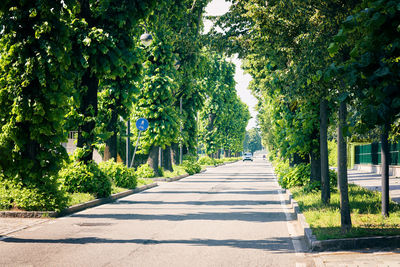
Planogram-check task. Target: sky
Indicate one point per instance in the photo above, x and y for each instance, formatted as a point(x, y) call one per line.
point(218, 8)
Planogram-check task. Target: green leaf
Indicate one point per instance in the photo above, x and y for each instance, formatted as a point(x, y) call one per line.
point(396, 103)
point(87, 41)
point(382, 71)
point(333, 48)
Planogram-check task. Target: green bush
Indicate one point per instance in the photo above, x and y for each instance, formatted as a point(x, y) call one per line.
point(191, 166)
point(281, 169)
point(48, 197)
point(121, 175)
point(79, 177)
point(298, 175)
point(205, 160)
point(144, 171)
point(231, 159)
point(292, 176)
point(218, 161)
point(333, 179)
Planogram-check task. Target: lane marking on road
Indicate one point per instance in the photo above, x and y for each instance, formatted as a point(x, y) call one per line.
point(298, 248)
point(291, 230)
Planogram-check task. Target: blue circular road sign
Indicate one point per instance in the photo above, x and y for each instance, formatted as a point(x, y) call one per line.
point(142, 124)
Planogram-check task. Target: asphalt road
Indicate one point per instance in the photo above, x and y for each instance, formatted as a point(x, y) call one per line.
point(228, 216)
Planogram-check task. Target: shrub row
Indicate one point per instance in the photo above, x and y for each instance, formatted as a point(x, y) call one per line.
point(299, 175)
point(205, 160)
point(76, 177)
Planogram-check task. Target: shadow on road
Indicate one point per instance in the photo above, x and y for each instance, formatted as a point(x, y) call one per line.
point(253, 192)
point(201, 216)
point(208, 203)
point(277, 245)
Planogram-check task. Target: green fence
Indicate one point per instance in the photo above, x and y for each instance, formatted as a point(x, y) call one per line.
point(371, 154)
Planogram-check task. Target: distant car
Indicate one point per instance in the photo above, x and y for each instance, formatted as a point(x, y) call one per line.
point(247, 156)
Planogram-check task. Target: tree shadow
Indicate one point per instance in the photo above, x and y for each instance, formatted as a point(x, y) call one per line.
point(246, 216)
point(244, 192)
point(277, 244)
point(201, 203)
point(229, 180)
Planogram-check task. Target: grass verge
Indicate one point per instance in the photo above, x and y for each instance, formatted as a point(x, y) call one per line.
point(366, 217)
point(143, 181)
point(178, 170)
point(78, 198)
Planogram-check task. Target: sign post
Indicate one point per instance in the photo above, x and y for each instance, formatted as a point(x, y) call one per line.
point(141, 124)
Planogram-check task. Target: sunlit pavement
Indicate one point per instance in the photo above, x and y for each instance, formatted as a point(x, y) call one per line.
point(232, 215)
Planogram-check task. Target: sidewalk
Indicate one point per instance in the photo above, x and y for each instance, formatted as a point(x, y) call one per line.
point(10, 225)
point(372, 181)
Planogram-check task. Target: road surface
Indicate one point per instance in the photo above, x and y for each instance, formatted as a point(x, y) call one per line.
point(232, 215)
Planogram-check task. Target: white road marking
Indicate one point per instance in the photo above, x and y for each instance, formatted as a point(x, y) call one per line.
point(291, 230)
point(298, 248)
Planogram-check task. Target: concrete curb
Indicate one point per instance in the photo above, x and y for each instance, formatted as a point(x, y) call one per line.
point(75, 208)
point(176, 178)
point(89, 204)
point(343, 243)
point(27, 214)
point(100, 201)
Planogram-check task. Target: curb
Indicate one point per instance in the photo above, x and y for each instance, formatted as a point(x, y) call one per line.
point(343, 243)
point(75, 208)
point(27, 214)
point(89, 204)
point(100, 201)
point(171, 179)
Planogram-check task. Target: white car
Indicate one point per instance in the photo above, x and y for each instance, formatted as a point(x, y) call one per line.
point(247, 156)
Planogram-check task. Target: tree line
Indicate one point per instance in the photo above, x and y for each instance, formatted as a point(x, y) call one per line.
point(80, 66)
point(321, 70)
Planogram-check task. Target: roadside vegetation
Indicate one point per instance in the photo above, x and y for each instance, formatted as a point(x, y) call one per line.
point(79, 183)
point(325, 73)
point(365, 212)
point(324, 219)
point(79, 71)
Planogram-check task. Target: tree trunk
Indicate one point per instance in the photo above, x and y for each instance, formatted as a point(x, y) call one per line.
point(342, 171)
point(226, 153)
point(128, 144)
point(166, 159)
point(175, 153)
point(106, 155)
point(88, 108)
point(323, 135)
point(385, 161)
point(315, 162)
point(111, 143)
point(153, 159)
